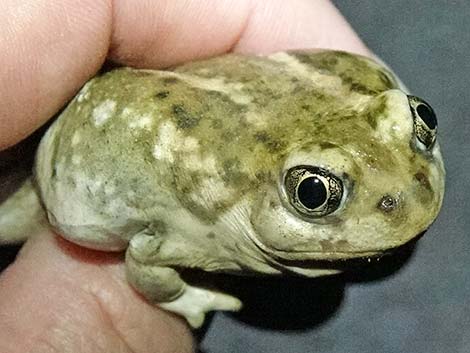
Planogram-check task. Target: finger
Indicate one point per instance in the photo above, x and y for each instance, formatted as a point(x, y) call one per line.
point(177, 31)
point(298, 24)
point(62, 298)
point(49, 48)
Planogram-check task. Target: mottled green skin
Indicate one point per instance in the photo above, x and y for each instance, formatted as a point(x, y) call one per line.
point(194, 159)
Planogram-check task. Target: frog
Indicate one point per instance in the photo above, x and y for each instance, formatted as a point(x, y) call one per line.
point(279, 164)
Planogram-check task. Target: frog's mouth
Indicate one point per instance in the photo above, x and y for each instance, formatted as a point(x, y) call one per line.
point(313, 264)
point(331, 263)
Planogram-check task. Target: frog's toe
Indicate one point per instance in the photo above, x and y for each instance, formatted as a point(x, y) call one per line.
point(195, 302)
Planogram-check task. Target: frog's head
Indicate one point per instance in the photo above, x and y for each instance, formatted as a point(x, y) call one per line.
point(370, 181)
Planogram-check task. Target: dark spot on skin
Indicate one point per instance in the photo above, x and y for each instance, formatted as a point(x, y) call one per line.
point(423, 180)
point(217, 95)
point(184, 119)
point(158, 227)
point(327, 145)
point(55, 151)
point(274, 95)
point(231, 172)
point(326, 245)
point(205, 215)
point(274, 146)
point(387, 204)
point(269, 142)
point(71, 181)
point(333, 246)
point(375, 111)
point(216, 124)
point(228, 136)
point(371, 119)
point(169, 80)
point(186, 184)
point(386, 81)
point(231, 166)
point(263, 176)
point(358, 87)
point(342, 245)
point(322, 62)
point(262, 136)
point(425, 193)
point(210, 235)
point(162, 94)
point(297, 90)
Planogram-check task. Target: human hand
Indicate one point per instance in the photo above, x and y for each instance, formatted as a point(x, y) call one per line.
point(58, 297)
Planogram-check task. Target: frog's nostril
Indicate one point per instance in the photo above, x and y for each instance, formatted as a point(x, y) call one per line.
point(387, 204)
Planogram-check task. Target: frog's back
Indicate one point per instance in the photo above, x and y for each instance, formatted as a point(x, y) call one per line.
point(135, 140)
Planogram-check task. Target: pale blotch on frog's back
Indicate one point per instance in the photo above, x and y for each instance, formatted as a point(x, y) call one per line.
point(137, 120)
point(103, 112)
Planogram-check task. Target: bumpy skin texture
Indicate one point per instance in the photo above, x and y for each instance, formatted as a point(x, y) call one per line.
point(185, 168)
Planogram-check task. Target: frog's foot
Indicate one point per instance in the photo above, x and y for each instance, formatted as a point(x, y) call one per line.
point(195, 302)
point(163, 285)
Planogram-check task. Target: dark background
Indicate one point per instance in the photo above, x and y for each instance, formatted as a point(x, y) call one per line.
point(424, 306)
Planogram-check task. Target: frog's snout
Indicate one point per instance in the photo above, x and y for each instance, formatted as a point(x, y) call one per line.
point(388, 203)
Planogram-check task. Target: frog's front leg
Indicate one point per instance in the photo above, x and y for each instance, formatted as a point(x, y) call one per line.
point(148, 262)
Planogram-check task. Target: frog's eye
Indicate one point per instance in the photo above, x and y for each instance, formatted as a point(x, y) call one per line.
point(424, 121)
point(313, 191)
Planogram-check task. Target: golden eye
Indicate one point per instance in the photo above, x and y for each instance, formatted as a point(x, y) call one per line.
point(313, 191)
point(424, 121)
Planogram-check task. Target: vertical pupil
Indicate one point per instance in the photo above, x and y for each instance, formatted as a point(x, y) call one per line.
point(312, 192)
point(427, 115)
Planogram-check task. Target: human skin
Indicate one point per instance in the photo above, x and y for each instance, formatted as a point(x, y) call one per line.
point(58, 297)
